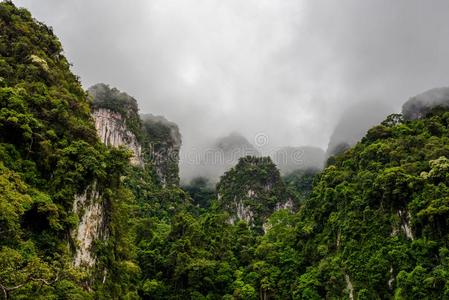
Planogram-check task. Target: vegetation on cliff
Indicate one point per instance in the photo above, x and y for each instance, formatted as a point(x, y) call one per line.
point(373, 224)
point(252, 190)
point(105, 97)
point(49, 153)
point(162, 146)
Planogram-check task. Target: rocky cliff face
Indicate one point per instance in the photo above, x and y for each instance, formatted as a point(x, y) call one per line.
point(252, 191)
point(53, 170)
point(117, 119)
point(91, 227)
point(114, 116)
point(154, 143)
point(112, 130)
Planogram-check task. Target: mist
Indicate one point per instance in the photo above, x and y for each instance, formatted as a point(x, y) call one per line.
point(355, 122)
point(286, 70)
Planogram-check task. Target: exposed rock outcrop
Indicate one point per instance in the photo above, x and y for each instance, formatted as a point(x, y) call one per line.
point(89, 207)
point(117, 119)
point(112, 131)
point(155, 142)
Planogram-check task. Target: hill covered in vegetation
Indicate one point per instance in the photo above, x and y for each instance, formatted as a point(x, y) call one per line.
point(252, 191)
point(51, 160)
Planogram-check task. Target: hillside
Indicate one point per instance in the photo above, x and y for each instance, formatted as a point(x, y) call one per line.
point(376, 223)
point(60, 186)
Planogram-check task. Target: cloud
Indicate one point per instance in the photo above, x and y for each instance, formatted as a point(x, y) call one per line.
point(286, 68)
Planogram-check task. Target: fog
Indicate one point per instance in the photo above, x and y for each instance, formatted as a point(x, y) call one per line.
point(284, 70)
point(355, 122)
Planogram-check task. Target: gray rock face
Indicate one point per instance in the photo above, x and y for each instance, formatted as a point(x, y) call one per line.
point(117, 123)
point(242, 212)
point(90, 208)
point(419, 106)
point(113, 132)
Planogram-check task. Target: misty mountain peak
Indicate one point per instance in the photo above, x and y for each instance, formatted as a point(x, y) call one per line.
point(417, 107)
point(236, 142)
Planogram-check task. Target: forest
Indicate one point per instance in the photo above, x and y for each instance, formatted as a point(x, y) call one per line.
point(79, 221)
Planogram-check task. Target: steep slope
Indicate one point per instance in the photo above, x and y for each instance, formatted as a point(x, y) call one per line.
point(154, 141)
point(117, 120)
point(162, 141)
point(376, 224)
point(252, 191)
point(59, 184)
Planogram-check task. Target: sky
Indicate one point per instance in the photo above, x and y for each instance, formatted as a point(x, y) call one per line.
point(285, 69)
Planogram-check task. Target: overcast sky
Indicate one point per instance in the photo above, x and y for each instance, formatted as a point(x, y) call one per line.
point(288, 69)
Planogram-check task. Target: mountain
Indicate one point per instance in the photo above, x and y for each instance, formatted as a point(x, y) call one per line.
point(252, 191)
point(61, 197)
point(221, 155)
point(117, 120)
point(90, 207)
point(163, 143)
point(290, 159)
point(153, 140)
point(376, 222)
point(354, 123)
point(420, 105)
point(235, 144)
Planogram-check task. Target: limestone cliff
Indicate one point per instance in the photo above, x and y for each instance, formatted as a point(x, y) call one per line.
point(112, 130)
point(114, 114)
point(92, 226)
point(154, 143)
point(117, 119)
